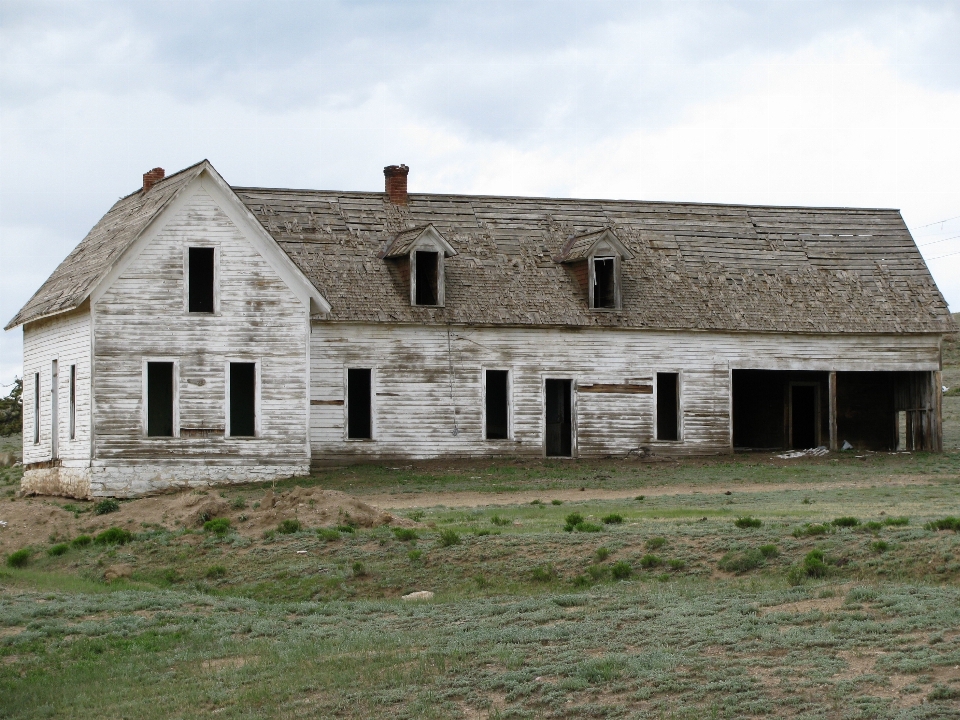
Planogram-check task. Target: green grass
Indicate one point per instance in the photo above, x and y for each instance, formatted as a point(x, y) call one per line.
point(645, 618)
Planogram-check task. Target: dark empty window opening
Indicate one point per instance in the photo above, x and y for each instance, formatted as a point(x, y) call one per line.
point(160, 399)
point(559, 418)
point(427, 277)
point(200, 264)
point(73, 402)
point(604, 283)
point(497, 405)
point(359, 415)
point(804, 418)
point(668, 406)
point(243, 399)
point(36, 408)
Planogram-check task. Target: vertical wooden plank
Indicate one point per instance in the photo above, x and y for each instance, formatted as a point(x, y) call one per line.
point(832, 419)
point(938, 412)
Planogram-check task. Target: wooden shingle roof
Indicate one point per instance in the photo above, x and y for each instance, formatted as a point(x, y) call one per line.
point(83, 269)
point(693, 266)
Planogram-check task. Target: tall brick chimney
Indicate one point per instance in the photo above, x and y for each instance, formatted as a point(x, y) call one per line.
point(395, 179)
point(152, 178)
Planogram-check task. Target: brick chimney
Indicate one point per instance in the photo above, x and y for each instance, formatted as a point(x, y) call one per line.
point(395, 179)
point(152, 178)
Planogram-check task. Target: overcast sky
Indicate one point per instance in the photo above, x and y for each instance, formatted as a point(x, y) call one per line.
point(796, 103)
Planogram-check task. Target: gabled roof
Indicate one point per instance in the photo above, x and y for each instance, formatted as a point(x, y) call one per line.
point(694, 266)
point(83, 269)
point(407, 240)
point(580, 247)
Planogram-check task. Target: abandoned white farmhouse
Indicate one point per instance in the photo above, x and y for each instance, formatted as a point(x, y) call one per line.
point(203, 333)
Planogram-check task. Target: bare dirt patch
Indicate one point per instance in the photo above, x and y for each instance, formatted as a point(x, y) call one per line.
point(40, 520)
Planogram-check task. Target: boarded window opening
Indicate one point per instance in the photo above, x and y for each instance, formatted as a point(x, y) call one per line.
point(668, 408)
point(497, 405)
point(559, 412)
point(359, 415)
point(243, 399)
point(200, 266)
point(160, 399)
point(604, 283)
point(73, 402)
point(36, 408)
point(54, 411)
point(427, 277)
point(902, 430)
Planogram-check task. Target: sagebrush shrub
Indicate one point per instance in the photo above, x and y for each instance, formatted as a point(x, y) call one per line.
point(846, 521)
point(556, 502)
point(873, 526)
point(602, 553)
point(613, 519)
point(81, 541)
point(498, 520)
point(947, 523)
point(447, 538)
point(814, 564)
point(621, 570)
point(113, 536)
point(58, 549)
point(897, 521)
point(349, 529)
point(574, 519)
point(597, 572)
point(217, 526)
point(359, 570)
point(741, 562)
point(544, 573)
point(769, 551)
point(289, 526)
point(649, 561)
point(405, 534)
point(108, 505)
point(19, 558)
point(655, 543)
point(676, 564)
point(879, 546)
point(215, 572)
point(812, 530)
point(747, 522)
point(328, 534)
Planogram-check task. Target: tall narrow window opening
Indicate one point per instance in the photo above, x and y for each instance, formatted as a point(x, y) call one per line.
point(604, 283)
point(54, 411)
point(668, 406)
point(73, 402)
point(359, 415)
point(36, 408)
point(200, 266)
point(497, 404)
point(160, 399)
point(243, 399)
point(427, 269)
point(559, 418)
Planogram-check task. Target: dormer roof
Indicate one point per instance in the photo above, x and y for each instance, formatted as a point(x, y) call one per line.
point(419, 237)
point(601, 242)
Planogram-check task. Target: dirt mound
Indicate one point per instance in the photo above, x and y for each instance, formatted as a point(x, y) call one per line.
point(39, 520)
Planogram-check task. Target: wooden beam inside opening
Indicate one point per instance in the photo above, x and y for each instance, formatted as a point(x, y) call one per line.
point(832, 419)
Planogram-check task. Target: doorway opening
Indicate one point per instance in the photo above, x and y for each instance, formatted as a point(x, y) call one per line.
point(559, 425)
point(804, 416)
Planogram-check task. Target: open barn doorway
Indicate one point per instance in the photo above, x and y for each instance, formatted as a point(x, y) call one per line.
point(559, 418)
point(799, 410)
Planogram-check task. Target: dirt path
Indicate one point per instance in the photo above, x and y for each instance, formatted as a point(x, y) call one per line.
point(402, 501)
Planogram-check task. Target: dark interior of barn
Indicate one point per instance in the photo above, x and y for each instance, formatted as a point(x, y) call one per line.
point(880, 411)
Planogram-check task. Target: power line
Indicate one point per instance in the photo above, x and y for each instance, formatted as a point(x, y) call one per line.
point(943, 256)
point(938, 222)
point(934, 242)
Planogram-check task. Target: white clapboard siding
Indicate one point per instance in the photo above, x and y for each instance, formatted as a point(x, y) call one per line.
point(143, 315)
point(66, 339)
point(428, 386)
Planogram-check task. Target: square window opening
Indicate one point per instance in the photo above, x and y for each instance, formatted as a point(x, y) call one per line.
point(497, 404)
point(668, 406)
point(243, 399)
point(604, 283)
point(427, 269)
point(160, 399)
point(200, 265)
point(359, 411)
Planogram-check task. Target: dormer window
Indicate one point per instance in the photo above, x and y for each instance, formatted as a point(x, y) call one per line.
point(427, 277)
point(595, 259)
point(605, 290)
point(425, 250)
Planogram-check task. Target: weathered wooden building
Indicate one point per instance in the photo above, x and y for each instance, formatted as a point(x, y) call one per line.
point(203, 333)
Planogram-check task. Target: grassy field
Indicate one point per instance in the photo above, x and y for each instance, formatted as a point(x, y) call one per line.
point(659, 607)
